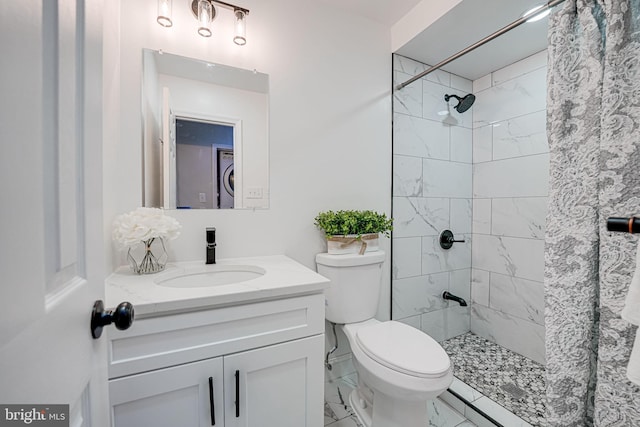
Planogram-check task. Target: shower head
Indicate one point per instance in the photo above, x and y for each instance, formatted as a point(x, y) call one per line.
point(463, 103)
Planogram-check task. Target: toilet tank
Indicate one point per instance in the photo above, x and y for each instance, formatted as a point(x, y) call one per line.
point(355, 285)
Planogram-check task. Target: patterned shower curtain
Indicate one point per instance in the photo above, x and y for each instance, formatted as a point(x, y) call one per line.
point(593, 125)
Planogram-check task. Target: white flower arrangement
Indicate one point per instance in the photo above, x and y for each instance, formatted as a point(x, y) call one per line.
point(144, 224)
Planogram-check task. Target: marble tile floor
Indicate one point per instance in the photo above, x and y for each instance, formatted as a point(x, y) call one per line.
point(504, 377)
point(342, 379)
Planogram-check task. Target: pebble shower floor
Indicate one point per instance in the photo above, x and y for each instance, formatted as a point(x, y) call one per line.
point(507, 378)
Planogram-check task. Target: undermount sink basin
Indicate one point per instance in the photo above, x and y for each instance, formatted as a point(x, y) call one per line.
point(216, 275)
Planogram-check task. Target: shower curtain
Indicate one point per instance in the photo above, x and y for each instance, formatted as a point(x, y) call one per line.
point(593, 125)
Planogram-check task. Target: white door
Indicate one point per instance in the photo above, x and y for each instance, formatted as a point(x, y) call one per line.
point(188, 395)
point(260, 383)
point(169, 169)
point(51, 230)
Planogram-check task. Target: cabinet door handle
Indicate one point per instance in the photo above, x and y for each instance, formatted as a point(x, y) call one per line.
point(237, 393)
point(212, 406)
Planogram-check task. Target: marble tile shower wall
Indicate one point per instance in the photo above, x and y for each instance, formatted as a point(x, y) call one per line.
point(432, 191)
point(510, 187)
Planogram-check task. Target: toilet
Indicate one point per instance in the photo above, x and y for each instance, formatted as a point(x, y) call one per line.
point(399, 367)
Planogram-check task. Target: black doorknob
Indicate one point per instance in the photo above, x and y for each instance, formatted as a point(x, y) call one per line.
point(122, 317)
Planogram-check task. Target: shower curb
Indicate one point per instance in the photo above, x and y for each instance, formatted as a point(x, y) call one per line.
point(475, 408)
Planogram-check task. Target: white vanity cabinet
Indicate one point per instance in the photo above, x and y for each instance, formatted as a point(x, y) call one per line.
point(249, 365)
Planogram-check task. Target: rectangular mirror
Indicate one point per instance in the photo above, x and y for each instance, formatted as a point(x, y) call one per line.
point(205, 134)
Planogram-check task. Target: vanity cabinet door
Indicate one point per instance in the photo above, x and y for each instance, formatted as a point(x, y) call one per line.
point(170, 397)
point(279, 385)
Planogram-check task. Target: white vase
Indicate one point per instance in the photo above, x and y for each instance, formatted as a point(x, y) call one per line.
point(352, 244)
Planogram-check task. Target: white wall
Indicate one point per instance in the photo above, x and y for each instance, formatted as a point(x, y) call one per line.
point(111, 122)
point(431, 193)
point(151, 119)
point(510, 187)
point(330, 122)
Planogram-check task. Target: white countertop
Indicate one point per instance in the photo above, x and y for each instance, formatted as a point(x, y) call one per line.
point(284, 277)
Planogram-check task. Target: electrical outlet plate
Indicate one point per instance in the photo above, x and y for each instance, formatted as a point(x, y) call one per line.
point(254, 193)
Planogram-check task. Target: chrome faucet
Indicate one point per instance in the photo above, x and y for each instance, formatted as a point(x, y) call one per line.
point(211, 245)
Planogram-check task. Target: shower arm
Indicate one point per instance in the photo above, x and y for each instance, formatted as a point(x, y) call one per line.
point(448, 97)
point(477, 44)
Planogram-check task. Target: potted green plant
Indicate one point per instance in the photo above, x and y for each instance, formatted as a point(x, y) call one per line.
point(353, 231)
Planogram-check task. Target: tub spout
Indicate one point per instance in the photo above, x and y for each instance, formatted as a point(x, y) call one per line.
point(449, 295)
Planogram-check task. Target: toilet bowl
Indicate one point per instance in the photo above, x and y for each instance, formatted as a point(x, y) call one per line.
point(399, 367)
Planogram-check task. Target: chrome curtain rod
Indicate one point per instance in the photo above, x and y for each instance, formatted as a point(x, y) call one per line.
point(476, 45)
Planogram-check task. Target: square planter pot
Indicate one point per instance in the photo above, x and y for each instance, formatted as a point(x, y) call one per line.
point(351, 244)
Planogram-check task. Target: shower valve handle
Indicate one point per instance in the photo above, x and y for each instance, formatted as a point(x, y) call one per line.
point(447, 240)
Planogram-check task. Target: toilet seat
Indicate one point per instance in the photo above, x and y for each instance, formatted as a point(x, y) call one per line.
point(403, 349)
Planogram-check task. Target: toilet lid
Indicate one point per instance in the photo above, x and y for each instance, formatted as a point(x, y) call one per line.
point(404, 349)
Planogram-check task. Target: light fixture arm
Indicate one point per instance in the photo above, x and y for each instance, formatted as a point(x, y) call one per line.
point(231, 6)
point(194, 6)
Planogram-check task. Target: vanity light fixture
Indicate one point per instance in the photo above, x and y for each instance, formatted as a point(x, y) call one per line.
point(241, 27)
point(205, 15)
point(205, 12)
point(164, 13)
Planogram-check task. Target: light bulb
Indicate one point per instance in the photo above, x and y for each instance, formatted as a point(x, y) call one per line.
point(537, 13)
point(241, 28)
point(164, 13)
point(205, 13)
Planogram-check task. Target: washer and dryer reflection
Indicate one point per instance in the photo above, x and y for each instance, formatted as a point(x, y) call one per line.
point(225, 179)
